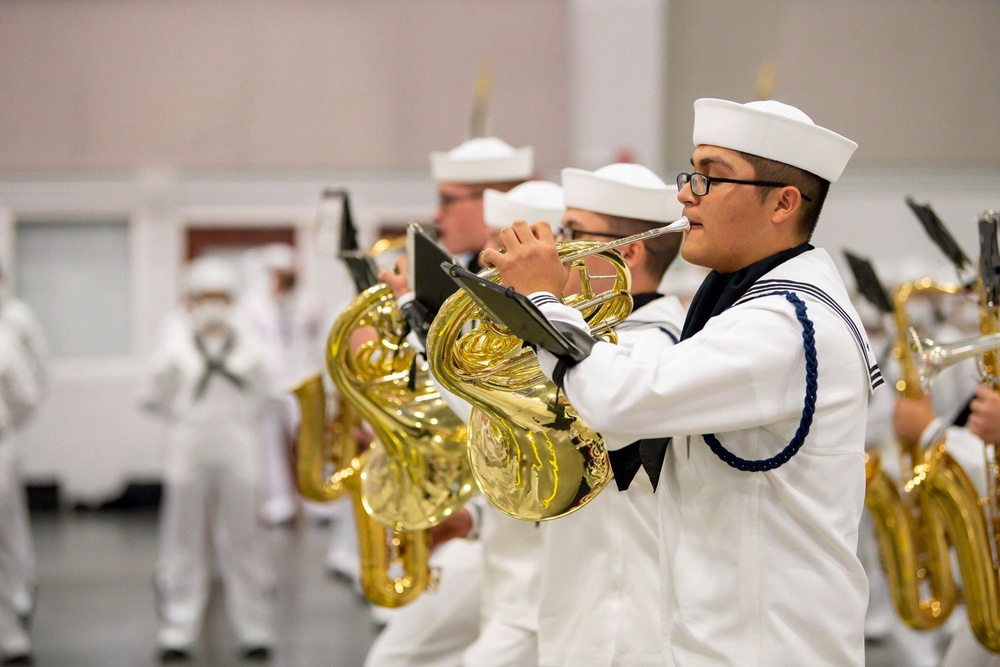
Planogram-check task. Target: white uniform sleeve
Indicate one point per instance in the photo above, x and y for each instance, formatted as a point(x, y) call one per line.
point(733, 375)
point(23, 321)
point(161, 384)
point(19, 389)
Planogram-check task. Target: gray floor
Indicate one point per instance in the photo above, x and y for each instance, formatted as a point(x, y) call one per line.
point(95, 599)
point(95, 602)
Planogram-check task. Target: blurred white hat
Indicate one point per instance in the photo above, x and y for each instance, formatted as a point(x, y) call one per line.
point(775, 131)
point(531, 201)
point(278, 257)
point(213, 274)
point(482, 160)
point(626, 190)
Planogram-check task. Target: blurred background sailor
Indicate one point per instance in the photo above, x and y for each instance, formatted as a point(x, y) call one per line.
point(290, 322)
point(211, 380)
point(23, 378)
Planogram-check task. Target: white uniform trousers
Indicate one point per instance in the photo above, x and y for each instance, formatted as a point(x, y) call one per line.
point(15, 555)
point(965, 650)
point(435, 629)
point(279, 498)
point(501, 644)
point(213, 514)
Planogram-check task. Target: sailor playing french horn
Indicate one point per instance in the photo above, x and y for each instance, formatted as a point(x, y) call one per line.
point(765, 398)
point(437, 628)
point(598, 608)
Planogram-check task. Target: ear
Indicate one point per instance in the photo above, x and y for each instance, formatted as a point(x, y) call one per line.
point(787, 202)
point(634, 254)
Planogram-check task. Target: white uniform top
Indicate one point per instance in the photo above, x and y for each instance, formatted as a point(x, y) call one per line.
point(599, 604)
point(292, 329)
point(20, 392)
point(511, 548)
point(758, 568)
point(222, 428)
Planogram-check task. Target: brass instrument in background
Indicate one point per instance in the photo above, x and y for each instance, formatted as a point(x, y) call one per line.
point(417, 472)
point(912, 539)
point(329, 464)
point(532, 456)
point(951, 507)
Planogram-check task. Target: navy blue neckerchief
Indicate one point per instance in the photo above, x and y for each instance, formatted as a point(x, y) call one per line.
point(718, 292)
point(216, 365)
point(644, 299)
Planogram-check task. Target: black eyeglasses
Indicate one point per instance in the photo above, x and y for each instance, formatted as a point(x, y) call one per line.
point(700, 183)
point(573, 234)
point(444, 201)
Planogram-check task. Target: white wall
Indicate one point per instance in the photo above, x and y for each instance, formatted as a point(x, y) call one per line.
point(90, 434)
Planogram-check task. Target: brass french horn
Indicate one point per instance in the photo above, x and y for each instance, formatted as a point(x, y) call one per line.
point(532, 456)
point(417, 471)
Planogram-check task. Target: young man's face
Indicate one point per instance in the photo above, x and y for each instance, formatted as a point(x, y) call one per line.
point(459, 218)
point(581, 225)
point(729, 224)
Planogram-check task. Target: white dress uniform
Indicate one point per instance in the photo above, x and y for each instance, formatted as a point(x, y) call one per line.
point(739, 549)
point(597, 607)
point(214, 391)
point(512, 549)
point(19, 395)
point(19, 570)
point(600, 605)
point(291, 327)
point(439, 626)
point(763, 485)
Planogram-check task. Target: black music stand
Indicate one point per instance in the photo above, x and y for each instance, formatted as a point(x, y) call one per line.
point(430, 286)
point(940, 235)
point(868, 283)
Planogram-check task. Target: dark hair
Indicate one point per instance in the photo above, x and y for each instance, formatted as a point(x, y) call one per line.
point(661, 250)
point(503, 186)
point(807, 183)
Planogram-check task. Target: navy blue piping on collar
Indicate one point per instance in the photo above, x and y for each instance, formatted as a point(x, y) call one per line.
point(874, 372)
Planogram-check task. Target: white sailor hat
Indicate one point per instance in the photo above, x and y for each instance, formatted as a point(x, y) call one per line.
point(531, 201)
point(774, 131)
point(213, 274)
point(626, 190)
point(278, 257)
point(482, 160)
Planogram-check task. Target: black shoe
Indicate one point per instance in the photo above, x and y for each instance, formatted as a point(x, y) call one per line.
point(256, 653)
point(174, 655)
point(18, 659)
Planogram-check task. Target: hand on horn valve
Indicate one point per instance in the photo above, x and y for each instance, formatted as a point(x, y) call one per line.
point(396, 279)
point(530, 262)
point(984, 416)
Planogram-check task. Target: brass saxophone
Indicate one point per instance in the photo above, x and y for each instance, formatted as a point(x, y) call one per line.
point(532, 456)
point(951, 507)
point(328, 465)
point(911, 536)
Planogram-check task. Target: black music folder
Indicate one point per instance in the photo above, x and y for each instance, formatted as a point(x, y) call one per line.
point(363, 269)
point(430, 286)
point(868, 283)
point(348, 232)
point(939, 234)
point(518, 313)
